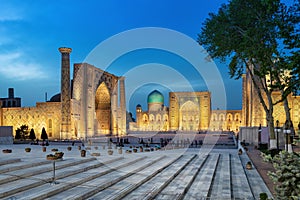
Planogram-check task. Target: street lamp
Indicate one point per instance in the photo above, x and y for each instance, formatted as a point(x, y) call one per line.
point(286, 131)
point(259, 135)
point(277, 130)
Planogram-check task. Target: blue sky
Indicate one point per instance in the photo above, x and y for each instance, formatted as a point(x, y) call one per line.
point(32, 31)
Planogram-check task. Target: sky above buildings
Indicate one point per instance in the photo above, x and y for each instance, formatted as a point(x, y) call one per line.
point(32, 31)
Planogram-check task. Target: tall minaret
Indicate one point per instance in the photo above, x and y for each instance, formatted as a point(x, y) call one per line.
point(65, 93)
point(122, 106)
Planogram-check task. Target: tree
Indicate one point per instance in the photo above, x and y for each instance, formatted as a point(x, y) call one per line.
point(18, 134)
point(44, 135)
point(257, 36)
point(32, 135)
point(286, 175)
point(22, 132)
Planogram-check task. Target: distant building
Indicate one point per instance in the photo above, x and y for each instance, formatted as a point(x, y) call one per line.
point(11, 101)
point(188, 111)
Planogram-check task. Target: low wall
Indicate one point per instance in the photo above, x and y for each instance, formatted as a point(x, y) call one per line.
point(250, 135)
point(6, 135)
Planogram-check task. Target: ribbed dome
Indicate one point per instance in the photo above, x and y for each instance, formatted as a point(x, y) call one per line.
point(155, 97)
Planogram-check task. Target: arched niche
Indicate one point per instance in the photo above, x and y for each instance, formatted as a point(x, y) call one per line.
point(103, 109)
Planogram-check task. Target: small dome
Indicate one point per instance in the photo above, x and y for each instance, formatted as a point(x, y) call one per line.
point(138, 106)
point(155, 97)
point(55, 98)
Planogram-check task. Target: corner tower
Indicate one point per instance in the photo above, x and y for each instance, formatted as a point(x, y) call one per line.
point(65, 92)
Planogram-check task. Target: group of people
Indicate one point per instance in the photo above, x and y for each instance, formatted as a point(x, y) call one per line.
point(37, 142)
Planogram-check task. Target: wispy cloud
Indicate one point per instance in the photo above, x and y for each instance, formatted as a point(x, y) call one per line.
point(15, 66)
point(10, 13)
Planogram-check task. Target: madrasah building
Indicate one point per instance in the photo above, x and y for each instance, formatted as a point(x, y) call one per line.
point(93, 104)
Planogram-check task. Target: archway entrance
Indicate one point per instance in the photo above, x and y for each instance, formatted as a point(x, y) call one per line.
point(103, 108)
point(189, 117)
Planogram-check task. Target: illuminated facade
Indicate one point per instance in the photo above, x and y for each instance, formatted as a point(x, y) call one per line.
point(92, 106)
point(44, 114)
point(253, 113)
point(188, 111)
point(225, 120)
point(95, 97)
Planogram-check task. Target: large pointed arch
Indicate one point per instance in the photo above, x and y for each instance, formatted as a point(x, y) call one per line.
point(103, 109)
point(189, 116)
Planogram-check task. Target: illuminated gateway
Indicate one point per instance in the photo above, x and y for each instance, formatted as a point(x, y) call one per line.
point(93, 104)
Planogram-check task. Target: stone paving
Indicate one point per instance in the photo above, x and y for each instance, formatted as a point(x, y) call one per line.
point(194, 173)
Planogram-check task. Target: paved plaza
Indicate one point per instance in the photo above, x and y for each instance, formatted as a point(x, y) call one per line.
point(167, 173)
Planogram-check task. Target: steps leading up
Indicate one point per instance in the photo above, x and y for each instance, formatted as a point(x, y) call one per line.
point(34, 181)
point(128, 185)
point(182, 182)
point(173, 174)
point(9, 161)
point(256, 183)
point(202, 183)
point(221, 188)
point(240, 186)
point(152, 187)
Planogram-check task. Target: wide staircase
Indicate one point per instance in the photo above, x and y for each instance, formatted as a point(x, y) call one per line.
point(153, 175)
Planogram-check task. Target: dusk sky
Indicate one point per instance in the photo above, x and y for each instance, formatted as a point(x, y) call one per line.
point(32, 31)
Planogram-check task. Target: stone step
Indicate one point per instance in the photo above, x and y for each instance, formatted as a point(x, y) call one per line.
point(159, 181)
point(202, 183)
point(28, 170)
point(256, 182)
point(128, 185)
point(14, 187)
point(221, 188)
point(69, 181)
point(180, 184)
point(153, 194)
point(239, 182)
point(21, 165)
point(9, 161)
point(98, 184)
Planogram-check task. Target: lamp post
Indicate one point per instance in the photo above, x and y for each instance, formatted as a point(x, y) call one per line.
point(287, 132)
point(259, 135)
point(277, 130)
